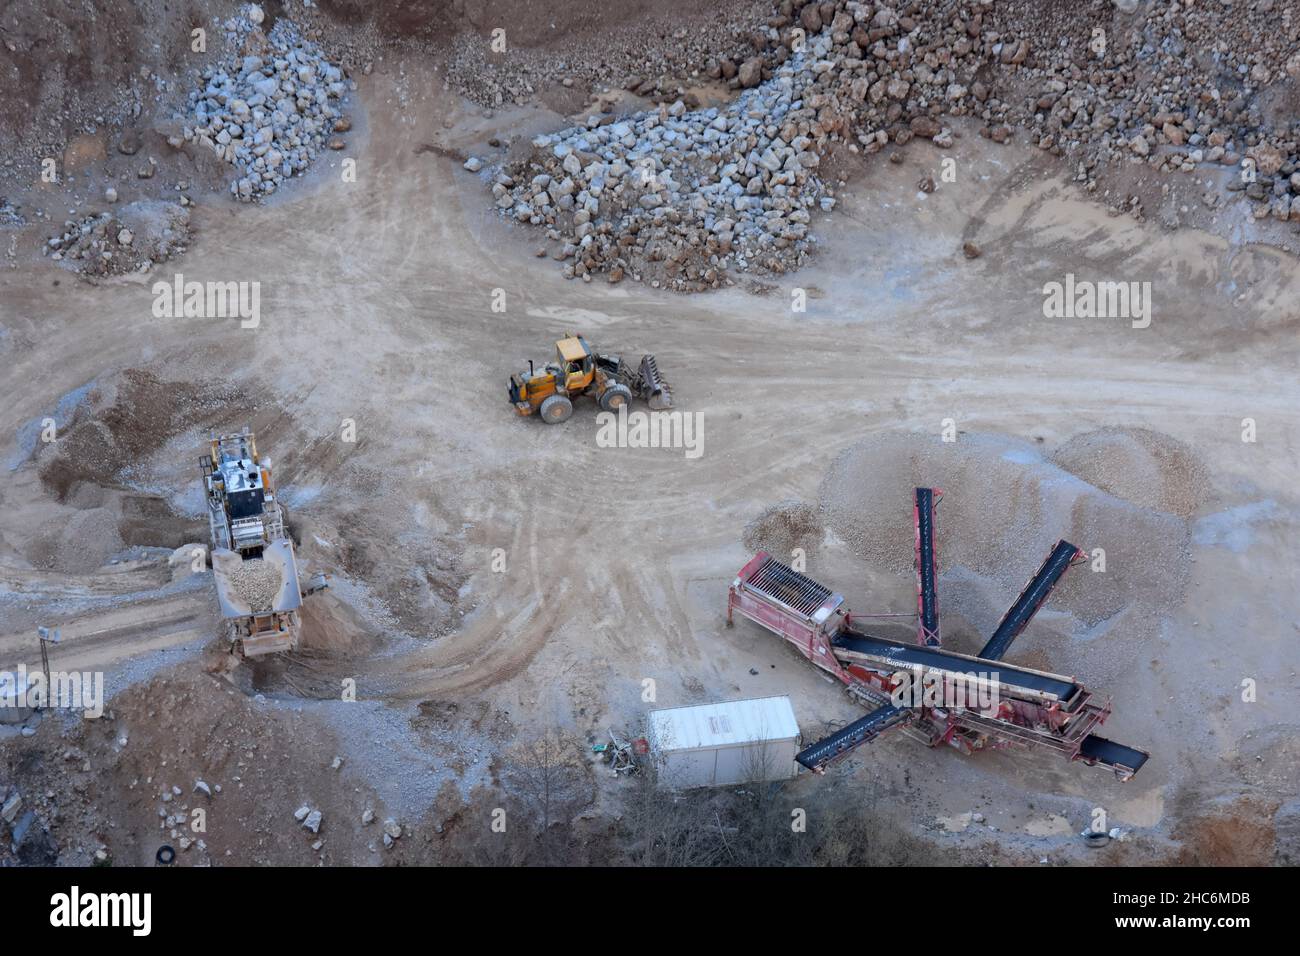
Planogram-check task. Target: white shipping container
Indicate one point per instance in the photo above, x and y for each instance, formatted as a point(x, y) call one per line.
point(730, 742)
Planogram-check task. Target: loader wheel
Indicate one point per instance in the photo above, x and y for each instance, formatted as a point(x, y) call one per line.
point(615, 397)
point(556, 409)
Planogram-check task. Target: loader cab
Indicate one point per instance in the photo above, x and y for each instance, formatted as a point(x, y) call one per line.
point(576, 362)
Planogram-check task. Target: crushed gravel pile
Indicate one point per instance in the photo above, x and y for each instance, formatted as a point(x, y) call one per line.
point(700, 191)
point(653, 50)
point(88, 540)
point(1180, 88)
point(1141, 466)
point(783, 527)
point(1004, 508)
point(131, 239)
point(271, 109)
point(257, 582)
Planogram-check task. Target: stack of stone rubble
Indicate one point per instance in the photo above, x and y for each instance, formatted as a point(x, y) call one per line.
point(271, 109)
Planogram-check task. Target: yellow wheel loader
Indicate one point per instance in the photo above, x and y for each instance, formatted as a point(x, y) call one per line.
point(578, 370)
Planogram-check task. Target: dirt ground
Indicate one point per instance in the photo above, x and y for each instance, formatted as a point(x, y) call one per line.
point(377, 309)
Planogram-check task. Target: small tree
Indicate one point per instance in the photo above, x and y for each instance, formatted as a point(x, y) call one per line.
point(662, 827)
point(551, 776)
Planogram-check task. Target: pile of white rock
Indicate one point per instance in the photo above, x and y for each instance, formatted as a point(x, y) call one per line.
point(682, 194)
point(271, 109)
point(680, 197)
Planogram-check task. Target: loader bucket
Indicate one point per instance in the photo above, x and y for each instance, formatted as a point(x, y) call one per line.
point(657, 393)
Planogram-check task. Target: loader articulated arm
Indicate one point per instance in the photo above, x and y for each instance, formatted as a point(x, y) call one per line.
point(644, 381)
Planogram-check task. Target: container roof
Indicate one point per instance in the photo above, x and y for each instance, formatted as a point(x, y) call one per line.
point(724, 723)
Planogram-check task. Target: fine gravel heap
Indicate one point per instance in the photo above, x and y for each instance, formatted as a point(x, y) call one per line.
point(271, 109)
point(1139, 465)
point(781, 528)
point(257, 582)
point(1005, 506)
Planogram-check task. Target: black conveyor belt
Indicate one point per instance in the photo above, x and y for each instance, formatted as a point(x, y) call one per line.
point(933, 657)
point(859, 732)
point(925, 565)
point(1030, 600)
point(1111, 754)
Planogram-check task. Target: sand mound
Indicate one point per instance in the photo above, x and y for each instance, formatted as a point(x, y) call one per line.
point(1004, 508)
point(331, 626)
point(783, 527)
point(1141, 466)
point(87, 541)
point(125, 419)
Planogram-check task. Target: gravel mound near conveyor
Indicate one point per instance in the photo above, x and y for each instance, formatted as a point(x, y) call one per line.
point(1141, 466)
point(781, 528)
point(1005, 506)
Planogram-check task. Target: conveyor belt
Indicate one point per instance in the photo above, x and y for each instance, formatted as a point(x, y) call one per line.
point(927, 597)
point(855, 734)
point(1030, 600)
point(936, 659)
point(1110, 754)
